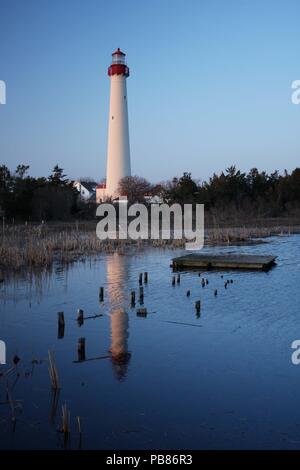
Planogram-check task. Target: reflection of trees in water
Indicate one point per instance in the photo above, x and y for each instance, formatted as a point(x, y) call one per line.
point(117, 275)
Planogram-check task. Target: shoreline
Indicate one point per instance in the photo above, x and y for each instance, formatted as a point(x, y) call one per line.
point(30, 247)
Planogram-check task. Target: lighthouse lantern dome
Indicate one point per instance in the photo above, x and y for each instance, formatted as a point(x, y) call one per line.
point(118, 57)
point(118, 65)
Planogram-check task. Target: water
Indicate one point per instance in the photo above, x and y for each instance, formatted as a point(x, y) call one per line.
point(171, 380)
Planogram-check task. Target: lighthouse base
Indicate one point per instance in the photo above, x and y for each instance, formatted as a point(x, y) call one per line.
point(101, 195)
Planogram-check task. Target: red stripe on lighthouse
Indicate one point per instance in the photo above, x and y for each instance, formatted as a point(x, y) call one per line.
point(118, 69)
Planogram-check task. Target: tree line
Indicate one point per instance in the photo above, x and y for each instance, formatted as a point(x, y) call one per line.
point(230, 193)
point(23, 197)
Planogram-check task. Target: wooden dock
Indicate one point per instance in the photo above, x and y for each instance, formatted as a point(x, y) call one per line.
point(227, 261)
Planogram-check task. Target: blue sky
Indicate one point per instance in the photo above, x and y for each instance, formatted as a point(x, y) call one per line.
point(210, 84)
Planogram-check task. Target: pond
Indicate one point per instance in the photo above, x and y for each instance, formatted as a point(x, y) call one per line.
point(171, 380)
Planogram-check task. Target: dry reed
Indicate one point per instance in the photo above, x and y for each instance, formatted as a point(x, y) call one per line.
point(53, 373)
point(30, 246)
point(65, 420)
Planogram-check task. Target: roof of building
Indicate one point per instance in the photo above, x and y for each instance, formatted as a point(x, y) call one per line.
point(118, 52)
point(89, 185)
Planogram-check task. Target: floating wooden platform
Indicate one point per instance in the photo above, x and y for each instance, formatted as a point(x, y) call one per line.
point(226, 261)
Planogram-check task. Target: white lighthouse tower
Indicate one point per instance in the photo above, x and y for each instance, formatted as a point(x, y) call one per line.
point(118, 150)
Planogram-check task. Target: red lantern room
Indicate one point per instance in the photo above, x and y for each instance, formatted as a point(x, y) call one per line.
point(118, 65)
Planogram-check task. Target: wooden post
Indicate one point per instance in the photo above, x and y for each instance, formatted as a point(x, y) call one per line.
point(140, 279)
point(61, 332)
point(101, 294)
point(61, 325)
point(145, 277)
point(216, 292)
point(81, 349)
point(198, 306)
point(173, 281)
point(188, 293)
point(178, 278)
point(141, 292)
point(203, 282)
point(61, 319)
point(141, 312)
point(206, 282)
point(80, 318)
point(132, 296)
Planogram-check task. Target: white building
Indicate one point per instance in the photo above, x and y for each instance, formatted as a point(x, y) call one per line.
point(87, 189)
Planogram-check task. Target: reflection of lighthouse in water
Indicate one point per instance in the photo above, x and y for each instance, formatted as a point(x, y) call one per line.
point(119, 342)
point(117, 273)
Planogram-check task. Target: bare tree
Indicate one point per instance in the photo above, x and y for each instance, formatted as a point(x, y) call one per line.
point(135, 188)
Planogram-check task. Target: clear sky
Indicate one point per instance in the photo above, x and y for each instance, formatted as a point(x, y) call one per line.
point(210, 84)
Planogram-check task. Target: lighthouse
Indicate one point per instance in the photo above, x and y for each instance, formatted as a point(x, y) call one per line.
point(118, 150)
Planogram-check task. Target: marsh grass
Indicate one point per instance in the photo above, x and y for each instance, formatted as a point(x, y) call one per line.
point(40, 246)
point(34, 246)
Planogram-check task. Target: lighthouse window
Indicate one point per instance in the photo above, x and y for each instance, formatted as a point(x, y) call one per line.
point(118, 59)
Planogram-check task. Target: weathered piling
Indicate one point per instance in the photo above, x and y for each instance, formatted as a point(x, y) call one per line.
point(61, 332)
point(173, 281)
point(198, 306)
point(141, 294)
point(132, 298)
point(140, 279)
point(81, 349)
point(145, 277)
point(178, 278)
point(216, 292)
point(188, 293)
point(101, 294)
point(203, 282)
point(61, 325)
point(141, 312)
point(80, 318)
point(206, 281)
point(16, 359)
point(61, 319)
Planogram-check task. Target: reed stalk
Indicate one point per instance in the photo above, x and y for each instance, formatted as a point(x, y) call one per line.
point(53, 373)
point(65, 420)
